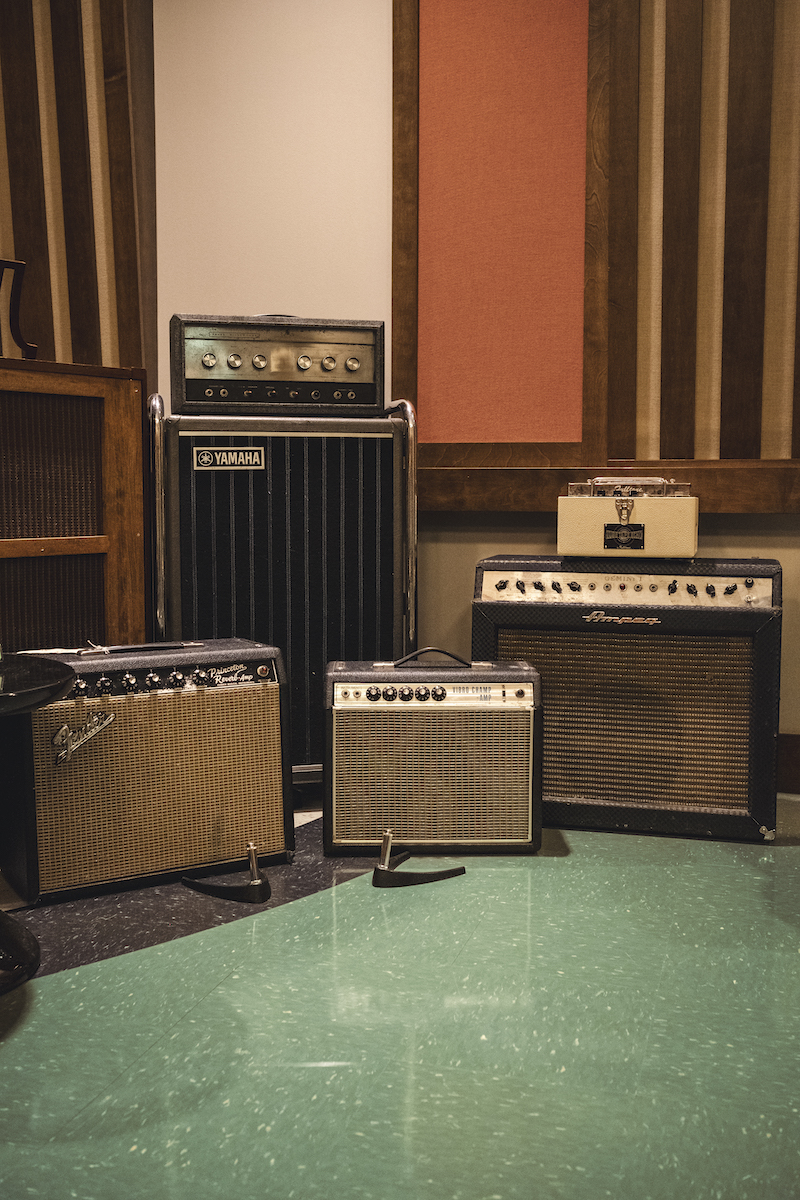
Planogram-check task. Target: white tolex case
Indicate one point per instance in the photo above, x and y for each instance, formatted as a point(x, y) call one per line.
point(669, 526)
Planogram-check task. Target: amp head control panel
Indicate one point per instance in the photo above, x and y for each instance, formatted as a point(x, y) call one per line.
point(670, 583)
point(276, 366)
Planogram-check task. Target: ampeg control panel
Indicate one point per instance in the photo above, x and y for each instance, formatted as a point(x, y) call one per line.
point(276, 365)
point(666, 588)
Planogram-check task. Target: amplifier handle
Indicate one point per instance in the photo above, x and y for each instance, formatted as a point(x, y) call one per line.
point(407, 409)
point(431, 650)
point(155, 408)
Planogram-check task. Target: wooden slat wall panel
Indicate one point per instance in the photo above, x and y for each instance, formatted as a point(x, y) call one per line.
point(714, 339)
point(596, 283)
point(76, 180)
point(622, 216)
point(93, 178)
point(746, 215)
point(123, 188)
point(683, 80)
point(26, 175)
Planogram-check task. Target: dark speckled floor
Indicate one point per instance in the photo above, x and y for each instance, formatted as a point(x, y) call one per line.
point(91, 928)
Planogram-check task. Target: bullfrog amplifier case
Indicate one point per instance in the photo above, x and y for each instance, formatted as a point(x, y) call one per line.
point(630, 517)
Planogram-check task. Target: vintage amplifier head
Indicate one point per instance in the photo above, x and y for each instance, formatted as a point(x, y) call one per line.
point(276, 365)
point(161, 759)
point(447, 757)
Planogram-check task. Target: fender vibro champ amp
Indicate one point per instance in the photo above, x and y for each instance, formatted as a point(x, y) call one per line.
point(446, 755)
point(276, 365)
point(622, 516)
point(161, 759)
point(660, 687)
point(295, 531)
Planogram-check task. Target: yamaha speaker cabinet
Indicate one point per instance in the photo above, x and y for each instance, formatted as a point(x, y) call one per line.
point(73, 527)
point(299, 532)
point(160, 760)
point(660, 686)
point(447, 757)
point(275, 365)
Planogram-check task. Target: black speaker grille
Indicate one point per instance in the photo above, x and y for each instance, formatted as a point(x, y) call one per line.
point(642, 719)
point(436, 776)
point(300, 555)
point(50, 465)
point(51, 601)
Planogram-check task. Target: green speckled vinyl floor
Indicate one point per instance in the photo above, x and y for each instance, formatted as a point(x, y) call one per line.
point(616, 1017)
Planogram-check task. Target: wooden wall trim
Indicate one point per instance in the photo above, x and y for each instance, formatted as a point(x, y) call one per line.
point(405, 200)
point(730, 486)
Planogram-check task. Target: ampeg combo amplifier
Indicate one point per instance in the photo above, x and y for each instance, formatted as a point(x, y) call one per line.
point(660, 687)
point(161, 759)
point(448, 757)
point(296, 531)
point(276, 365)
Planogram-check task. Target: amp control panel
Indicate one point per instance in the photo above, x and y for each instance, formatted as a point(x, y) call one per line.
point(698, 583)
point(169, 667)
point(430, 694)
point(276, 365)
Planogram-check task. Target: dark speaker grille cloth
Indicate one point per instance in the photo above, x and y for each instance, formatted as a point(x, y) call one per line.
point(180, 779)
point(642, 719)
point(52, 601)
point(51, 478)
point(299, 555)
point(437, 776)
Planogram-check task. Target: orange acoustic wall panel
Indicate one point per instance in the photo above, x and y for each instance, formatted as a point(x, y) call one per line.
point(502, 148)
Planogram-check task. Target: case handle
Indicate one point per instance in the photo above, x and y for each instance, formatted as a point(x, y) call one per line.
point(431, 650)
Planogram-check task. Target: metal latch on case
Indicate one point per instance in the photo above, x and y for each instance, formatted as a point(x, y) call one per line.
point(624, 510)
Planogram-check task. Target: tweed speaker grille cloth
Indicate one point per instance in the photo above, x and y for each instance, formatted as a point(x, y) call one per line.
point(434, 776)
point(638, 718)
point(179, 779)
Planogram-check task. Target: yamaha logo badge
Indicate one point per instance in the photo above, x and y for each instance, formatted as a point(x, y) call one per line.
point(229, 458)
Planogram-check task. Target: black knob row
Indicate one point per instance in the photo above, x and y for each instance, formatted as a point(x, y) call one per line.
point(405, 693)
point(152, 682)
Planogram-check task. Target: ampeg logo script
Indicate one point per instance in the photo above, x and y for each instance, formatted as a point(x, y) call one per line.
point(599, 615)
point(228, 458)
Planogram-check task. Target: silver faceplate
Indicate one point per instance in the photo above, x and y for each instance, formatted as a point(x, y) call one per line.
point(627, 587)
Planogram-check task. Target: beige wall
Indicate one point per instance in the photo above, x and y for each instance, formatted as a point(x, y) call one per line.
point(450, 546)
point(273, 159)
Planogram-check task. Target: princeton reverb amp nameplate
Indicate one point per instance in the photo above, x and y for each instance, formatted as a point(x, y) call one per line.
point(161, 759)
point(446, 758)
point(621, 516)
point(276, 365)
point(660, 686)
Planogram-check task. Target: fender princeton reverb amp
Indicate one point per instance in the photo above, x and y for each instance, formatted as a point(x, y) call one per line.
point(161, 759)
point(446, 756)
point(660, 686)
